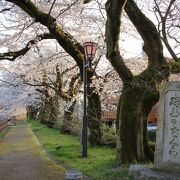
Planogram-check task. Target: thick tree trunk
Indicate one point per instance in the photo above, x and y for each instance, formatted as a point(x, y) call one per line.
point(68, 116)
point(94, 117)
point(54, 111)
point(135, 105)
point(32, 112)
point(44, 113)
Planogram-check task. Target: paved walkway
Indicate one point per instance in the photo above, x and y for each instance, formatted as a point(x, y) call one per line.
point(22, 158)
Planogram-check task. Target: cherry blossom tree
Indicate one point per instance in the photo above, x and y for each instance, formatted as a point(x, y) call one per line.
point(45, 17)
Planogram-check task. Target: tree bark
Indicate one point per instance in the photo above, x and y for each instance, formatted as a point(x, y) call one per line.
point(68, 117)
point(135, 105)
point(32, 112)
point(54, 111)
point(94, 118)
point(44, 113)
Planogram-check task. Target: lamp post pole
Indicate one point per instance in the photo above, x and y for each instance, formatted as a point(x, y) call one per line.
point(84, 124)
point(90, 50)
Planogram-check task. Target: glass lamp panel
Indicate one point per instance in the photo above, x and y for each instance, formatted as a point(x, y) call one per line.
point(90, 49)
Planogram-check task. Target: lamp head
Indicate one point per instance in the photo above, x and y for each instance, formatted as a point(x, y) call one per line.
point(90, 49)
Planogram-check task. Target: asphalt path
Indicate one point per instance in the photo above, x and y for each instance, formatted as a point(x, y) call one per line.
point(22, 157)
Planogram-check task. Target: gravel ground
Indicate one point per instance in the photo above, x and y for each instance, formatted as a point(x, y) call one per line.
point(22, 158)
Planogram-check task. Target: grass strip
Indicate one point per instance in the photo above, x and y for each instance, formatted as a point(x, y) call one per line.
point(101, 163)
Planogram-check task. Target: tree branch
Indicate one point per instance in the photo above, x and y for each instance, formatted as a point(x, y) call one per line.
point(152, 43)
point(114, 10)
point(70, 45)
point(4, 10)
point(73, 89)
point(51, 7)
point(11, 56)
point(163, 20)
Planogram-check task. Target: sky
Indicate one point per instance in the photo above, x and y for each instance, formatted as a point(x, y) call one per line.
point(133, 48)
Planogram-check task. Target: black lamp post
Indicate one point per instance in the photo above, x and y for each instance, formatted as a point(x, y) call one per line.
point(90, 51)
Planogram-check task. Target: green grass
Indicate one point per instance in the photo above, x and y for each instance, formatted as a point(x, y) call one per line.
point(3, 132)
point(101, 163)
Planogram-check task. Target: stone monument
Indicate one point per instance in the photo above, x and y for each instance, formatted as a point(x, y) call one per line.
point(167, 150)
point(167, 153)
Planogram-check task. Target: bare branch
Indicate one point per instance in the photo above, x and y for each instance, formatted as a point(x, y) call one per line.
point(6, 9)
point(165, 23)
point(51, 7)
point(87, 1)
point(68, 69)
point(68, 7)
point(9, 83)
point(11, 56)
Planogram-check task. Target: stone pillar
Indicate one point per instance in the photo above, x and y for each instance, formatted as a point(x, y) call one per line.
point(168, 132)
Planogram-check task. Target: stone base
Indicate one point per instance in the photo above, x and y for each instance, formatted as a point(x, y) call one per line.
point(140, 172)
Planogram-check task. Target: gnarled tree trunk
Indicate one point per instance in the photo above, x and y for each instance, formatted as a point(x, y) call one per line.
point(140, 92)
point(135, 104)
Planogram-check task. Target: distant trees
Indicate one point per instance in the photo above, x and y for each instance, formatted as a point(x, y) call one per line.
point(11, 92)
